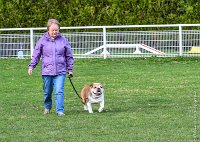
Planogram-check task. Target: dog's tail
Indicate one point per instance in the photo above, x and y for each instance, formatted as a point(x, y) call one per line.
point(85, 92)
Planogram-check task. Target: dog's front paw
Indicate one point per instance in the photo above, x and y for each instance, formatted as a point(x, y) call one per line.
point(85, 107)
point(90, 111)
point(100, 109)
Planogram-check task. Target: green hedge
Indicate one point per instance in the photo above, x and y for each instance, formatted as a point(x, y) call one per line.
point(32, 13)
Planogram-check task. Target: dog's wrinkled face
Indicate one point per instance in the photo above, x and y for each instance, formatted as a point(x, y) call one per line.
point(96, 89)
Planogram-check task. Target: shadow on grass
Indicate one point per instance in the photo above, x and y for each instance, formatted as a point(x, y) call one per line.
point(138, 106)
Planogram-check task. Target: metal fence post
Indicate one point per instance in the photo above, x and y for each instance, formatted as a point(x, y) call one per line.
point(180, 41)
point(104, 42)
point(31, 41)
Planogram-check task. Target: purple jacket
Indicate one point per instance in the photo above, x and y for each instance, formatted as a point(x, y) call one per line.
point(56, 55)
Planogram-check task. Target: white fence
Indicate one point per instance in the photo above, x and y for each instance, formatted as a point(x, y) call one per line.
point(110, 41)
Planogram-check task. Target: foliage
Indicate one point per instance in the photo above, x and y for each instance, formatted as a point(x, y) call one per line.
point(21, 13)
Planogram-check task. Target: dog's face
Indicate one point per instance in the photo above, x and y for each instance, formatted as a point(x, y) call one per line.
point(93, 94)
point(96, 89)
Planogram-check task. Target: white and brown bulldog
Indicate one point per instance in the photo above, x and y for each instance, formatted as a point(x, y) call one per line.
point(93, 94)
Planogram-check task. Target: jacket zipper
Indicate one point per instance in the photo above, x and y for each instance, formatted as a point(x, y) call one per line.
point(54, 55)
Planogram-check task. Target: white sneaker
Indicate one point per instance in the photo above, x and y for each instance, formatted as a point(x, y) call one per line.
point(60, 114)
point(46, 111)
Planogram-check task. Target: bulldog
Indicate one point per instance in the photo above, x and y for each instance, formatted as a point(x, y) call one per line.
point(91, 94)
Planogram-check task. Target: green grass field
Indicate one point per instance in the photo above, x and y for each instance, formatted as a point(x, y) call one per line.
point(146, 99)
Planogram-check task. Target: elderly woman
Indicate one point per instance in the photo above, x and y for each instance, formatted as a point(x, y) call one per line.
point(57, 61)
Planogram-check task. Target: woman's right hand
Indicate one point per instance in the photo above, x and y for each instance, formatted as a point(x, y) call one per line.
point(30, 71)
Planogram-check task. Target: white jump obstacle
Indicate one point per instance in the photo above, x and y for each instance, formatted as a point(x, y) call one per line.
point(137, 46)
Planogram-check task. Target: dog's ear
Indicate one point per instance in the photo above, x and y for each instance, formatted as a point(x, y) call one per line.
point(91, 85)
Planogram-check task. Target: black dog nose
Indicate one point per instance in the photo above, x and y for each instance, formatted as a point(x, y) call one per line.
point(98, 90)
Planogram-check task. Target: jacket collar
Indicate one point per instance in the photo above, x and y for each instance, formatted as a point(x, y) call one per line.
point(49, 38)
